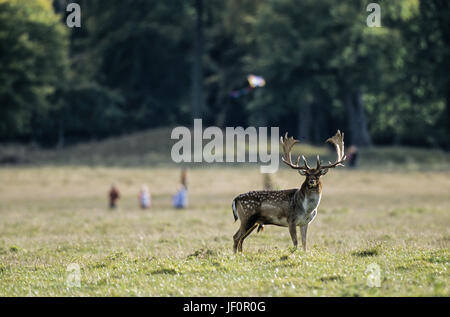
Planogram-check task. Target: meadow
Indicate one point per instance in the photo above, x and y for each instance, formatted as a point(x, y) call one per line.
point(54, 215)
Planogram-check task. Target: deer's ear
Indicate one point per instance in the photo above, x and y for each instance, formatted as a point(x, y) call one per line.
point(302, 172)
point(323, 172)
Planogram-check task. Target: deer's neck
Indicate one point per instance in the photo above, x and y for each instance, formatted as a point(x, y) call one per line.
point(309, 198)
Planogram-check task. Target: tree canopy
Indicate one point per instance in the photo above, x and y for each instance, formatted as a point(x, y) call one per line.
point(33, 64)
point(130, 67)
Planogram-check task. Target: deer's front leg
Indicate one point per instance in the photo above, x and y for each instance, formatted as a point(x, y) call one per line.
point(293, 232)
point(303, 230)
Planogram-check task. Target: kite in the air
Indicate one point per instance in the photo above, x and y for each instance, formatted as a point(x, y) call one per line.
point(253, 81)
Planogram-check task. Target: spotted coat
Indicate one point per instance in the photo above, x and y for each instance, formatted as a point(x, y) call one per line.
point(298, 206)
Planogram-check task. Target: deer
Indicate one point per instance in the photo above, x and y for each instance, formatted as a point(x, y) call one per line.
point(286, 208)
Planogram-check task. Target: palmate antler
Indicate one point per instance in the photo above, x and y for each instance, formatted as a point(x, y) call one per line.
point(338, 141)
point(287, 144)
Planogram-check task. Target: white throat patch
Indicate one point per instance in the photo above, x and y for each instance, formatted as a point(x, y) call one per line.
point(311, 202)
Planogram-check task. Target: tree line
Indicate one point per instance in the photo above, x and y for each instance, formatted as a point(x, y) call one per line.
point(141, 64)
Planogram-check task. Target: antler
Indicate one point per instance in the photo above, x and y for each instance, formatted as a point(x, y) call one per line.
point(287, 144)
point(338, 141)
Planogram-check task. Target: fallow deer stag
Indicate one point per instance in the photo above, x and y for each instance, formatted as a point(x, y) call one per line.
point(287, 208)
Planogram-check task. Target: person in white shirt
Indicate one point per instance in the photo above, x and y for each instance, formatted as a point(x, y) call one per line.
point(144, 197)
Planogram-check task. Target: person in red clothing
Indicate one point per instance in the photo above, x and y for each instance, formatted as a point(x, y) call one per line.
point(114, 196)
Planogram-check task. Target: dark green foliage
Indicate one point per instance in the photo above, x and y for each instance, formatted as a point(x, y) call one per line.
point(33, 64)
point(142, 50)
point(130, 68)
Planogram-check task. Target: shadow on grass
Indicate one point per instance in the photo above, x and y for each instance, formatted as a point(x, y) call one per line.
point(165, 271)
point(374, 251)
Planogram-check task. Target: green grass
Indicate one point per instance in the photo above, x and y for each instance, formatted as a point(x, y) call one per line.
point(54, 216)
point(404, 272)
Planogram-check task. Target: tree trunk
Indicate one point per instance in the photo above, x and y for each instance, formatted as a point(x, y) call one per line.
point(357, 119)
point(61, 134)
point(318, 126)
point(59, 6)
point(441, 14)
point(197, 78)
point(447, 118)
point(304, 122)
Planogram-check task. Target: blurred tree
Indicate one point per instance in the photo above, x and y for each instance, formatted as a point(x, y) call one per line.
point(197, 73)
point(227, 44)
point(411, 91)
point(89, 110)
point(129, 68)
point(321, 61)
point(132, 67)
point(33, 65)
point(431, 61)
point(313, 53)
point(141, 50)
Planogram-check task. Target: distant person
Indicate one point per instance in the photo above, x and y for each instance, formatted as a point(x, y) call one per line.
point(267, 182)
point(352, 156)
point(114, 196)
point(144, 197)
point(183, 179)
point(180, 199)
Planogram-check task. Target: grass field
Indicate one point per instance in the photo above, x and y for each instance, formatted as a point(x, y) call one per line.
point(53, 216)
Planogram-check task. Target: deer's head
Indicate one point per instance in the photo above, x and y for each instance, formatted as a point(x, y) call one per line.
point(313, 174)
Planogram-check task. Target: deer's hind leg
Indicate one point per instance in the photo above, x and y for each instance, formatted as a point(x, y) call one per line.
point(247, 226)
point(247, 233)
point(238, 236)
point(236, 239)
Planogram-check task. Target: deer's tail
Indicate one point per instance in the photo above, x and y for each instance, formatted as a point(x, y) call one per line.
point(233, 206)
